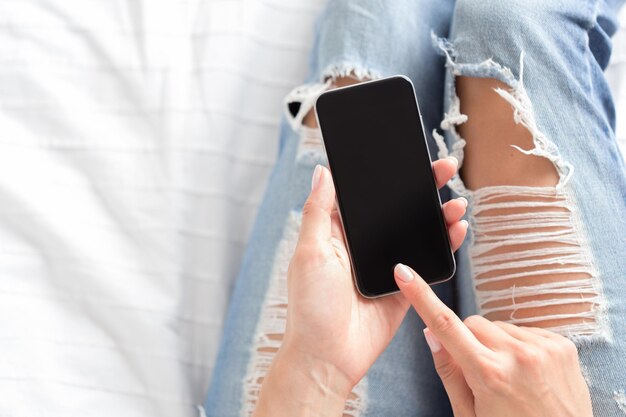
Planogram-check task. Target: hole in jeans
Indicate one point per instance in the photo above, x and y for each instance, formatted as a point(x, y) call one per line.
point(528, 261)
point(528, 250)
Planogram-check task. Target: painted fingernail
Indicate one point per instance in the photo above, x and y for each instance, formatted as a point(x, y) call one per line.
point(404, 273)
point(317, 174)
point(464, 201)
point(454, 160)
point(465, 223)
point(431, 340)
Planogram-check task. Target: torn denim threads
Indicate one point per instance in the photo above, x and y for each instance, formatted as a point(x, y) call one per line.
point(352, 39)
point(564, 50)
point(552, 57)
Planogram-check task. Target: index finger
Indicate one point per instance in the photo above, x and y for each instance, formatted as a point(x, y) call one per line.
point(458, 340)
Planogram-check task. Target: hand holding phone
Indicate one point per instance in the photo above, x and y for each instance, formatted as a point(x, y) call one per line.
point(494, 369)
point(331, 329)
point(327, 318)
point(334, 335)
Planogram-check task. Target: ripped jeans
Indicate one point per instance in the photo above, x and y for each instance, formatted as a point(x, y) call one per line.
point(549, 256)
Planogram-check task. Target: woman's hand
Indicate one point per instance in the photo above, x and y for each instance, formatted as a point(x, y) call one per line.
point(326, 317)
point(333, 334)
point(498, 369)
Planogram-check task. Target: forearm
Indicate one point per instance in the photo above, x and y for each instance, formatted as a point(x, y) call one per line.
point(299, 386)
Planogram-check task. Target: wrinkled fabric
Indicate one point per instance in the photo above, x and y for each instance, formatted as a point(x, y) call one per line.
point(573, 110)
point(136, 139)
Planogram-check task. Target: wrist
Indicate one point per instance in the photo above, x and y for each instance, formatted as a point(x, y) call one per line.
point(325, 376)
point(299, 384)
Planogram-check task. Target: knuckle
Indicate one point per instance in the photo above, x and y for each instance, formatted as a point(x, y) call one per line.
point(494, 376)
point(485, 365)
point(554, 349)
point(445, 321)
point(530, 357)
point(472, 322)
point(446, 370)
point(309, 207)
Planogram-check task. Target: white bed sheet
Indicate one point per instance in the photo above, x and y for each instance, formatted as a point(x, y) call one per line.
point(136, 138)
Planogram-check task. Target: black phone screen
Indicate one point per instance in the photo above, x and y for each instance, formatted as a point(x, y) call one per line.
point(386, 191)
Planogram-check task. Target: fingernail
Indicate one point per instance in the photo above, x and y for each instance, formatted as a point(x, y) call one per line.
point(431, 340)
point(404, 273)
point(316, 177)
point(465, 223)
point(464, 200)
point(454, 160)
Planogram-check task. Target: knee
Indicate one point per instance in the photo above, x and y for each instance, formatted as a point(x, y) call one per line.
point(491, 21)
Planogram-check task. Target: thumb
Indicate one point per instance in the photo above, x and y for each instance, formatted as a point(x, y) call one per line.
point(459, 393)
point(316, 213)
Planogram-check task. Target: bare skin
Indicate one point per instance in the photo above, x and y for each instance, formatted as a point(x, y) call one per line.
point(489, 161)
point(488, 369)
point(489, 131)
point(326, 351)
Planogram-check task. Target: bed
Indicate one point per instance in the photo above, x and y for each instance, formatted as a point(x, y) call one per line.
point(136, 138)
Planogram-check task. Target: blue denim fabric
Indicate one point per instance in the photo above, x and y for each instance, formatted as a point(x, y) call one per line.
point(566, 46)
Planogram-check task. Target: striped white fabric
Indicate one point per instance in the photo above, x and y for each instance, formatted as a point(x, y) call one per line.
point(136, 138)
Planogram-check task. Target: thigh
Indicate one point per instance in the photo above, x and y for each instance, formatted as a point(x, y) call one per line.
point(551, 55)
point(360, 38)
point(402, 382)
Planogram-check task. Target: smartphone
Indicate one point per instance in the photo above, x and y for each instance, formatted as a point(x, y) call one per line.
point(387, 197)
